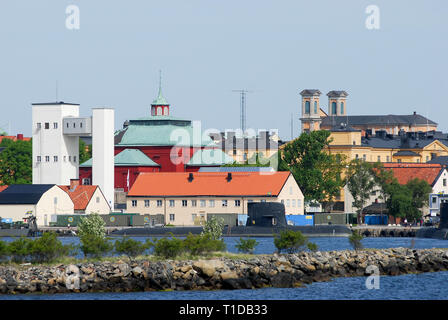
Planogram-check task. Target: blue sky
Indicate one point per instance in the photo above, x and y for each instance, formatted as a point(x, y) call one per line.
point(207, 48)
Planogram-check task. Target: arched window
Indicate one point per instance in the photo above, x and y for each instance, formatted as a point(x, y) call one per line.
point(342, 107)
point(165, 111)
point(315, 106)
point(159, 111)
point(307, 107)
point(333, 108)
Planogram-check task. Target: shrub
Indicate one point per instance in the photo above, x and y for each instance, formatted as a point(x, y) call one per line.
point(92, 225)
point(130, 247)
point(355, 240)
point(20, 249)
point(312, 246)
point(4, 252)
point(95, 246)
point(291, 241)
point(47, 248)
point(214, 227)
point(168, 248)
point(202, 244)
point(246, 245)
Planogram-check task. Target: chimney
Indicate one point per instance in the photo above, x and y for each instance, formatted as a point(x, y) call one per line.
point(190, 177)
point(415, 113)
point(229, 176)
point(20, 136)
point(74, 183)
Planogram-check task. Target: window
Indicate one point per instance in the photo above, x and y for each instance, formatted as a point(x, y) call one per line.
point(65, 158)
point(47, 125)
point(427, 158)
point(224, 203)
point(434, 199)
point(172, 216)
point(97, 199)
point(287, 203)
point(55, 200)
point(86, 181)
point(307, 107)
point(387, 158)
point(193, 216)
point(39, 159)
point(74, 158)
point(399, 160)
point(250, 200)
point(237, 203)
point(47, 158)
point(444, 182)
point(146, 203)
point(55, 125)
point(134, 203)
point(299, 203)
point(315, 106)
point(282, 201)
point(184, 203)
point(69, 158)
point(194, 203)
point(333, 108)
point(55, 158)
point(364, 157)
point(356, 156)
point(171, 203)
point(159, 203)
point(293, 203)
point(211, 203)
point(67, 124)
point(342, 107)
point(74, 125)
point(379, 158)
point(80, 124)
point(290, 190)
point(39, 125)
point(202, 203)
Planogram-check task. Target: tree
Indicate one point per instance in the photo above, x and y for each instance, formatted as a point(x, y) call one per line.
point(360, 183)
point(214, 227)
point(16, 162)
point(399, 202)
point(383, 178)
point(92, 235)
point(419, 190)
point(318, 173)
point(85, 151)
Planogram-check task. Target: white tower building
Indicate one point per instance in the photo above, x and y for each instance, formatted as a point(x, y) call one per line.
point(56, 131)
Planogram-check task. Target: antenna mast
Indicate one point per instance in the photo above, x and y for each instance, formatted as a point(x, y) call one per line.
point(242, 109)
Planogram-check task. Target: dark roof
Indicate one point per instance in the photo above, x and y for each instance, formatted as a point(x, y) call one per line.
point(24, 193)
point(343, 128)
point(376, 208)
point(335, 93)
point(406, 153)
point(412, 140)
point(310, 92)
point(390, 119)
point(443, 160)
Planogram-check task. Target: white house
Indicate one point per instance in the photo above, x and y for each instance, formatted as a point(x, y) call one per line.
point(86, 198)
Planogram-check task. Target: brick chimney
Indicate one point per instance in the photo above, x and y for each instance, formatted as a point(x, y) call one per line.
point(74, 183)
point(20, 136)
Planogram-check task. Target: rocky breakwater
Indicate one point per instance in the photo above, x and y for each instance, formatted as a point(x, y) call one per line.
point(285, 270)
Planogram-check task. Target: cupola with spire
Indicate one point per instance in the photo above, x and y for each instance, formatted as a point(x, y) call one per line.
point(160, 107)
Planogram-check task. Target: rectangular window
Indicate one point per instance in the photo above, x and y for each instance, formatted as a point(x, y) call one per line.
point(47, 158)
point(159, 203)
point(67, 124)
point(65, 158)
point(74, 158)
point(39, 159)
point(202, 203)
point(299, 203)
point(97, 199)
point(444, 182)
point(427, 158)
point(194, 203)
point(69, 158)
point(193, 216)
point(399, 160)
point(224, 203)
point(287, 203)
point(237, 203)
point(293, 203)
point(55, 158)
point(80, 124)
point(434, 199)
point(387, 158)
point(39, 125)
point(146, 203)
point(134, 203)
point(171, 203)
point(379, 158)
point(55, 125)
point(184, 203)
point(172, 216)
point(364, 157)
point(356, 156)
point(74, 125)
point(55, 200)
point(47, 125)
point(211, 203)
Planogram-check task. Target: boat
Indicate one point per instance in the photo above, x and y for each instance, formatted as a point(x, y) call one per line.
point(28, 229)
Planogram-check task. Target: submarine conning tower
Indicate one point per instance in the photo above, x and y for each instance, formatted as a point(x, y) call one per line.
point(443, 215)
point(266, 214)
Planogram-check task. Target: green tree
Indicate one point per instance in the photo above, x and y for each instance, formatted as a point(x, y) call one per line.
point(16, 162)
point(383, 179)
point(130, 247)
point(92, 225)
point(92, 234)
point(214, 227)
point(419, 190)
point(246, 245)
point(85, 151)
point(292, 241)
point(360, 183)
point(355, 240)
point(317, 172)
point(399, 203)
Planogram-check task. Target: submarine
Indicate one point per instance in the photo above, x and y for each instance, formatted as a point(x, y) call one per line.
point(265, 219)
point(440, 232)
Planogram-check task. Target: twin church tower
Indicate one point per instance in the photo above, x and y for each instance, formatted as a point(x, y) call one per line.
point(312, 114)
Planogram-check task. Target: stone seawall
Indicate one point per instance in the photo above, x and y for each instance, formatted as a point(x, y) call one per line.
point(285, 270)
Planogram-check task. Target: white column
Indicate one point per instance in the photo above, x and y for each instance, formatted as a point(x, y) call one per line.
point(103, 152)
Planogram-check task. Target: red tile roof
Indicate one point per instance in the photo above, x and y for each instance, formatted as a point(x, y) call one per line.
point(408, 171)
point(208, 184)
point(80, 195)
point(14, 138)
point(3, 188)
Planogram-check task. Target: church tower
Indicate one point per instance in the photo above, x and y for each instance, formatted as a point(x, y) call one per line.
point(310, 110)
point(160, 107)
point(337, 105)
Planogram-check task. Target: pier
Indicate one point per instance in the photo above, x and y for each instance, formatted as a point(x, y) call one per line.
point(387, 231)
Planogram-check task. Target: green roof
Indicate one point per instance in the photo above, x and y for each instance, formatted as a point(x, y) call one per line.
point(209, 157)
point(152, 132)
point(128, 158)
point(160, 99)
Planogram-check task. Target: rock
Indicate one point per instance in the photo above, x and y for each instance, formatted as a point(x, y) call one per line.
point(208, 267)
point(137, 271)
point(186, 268)
point(229, 275)
point(124, 268)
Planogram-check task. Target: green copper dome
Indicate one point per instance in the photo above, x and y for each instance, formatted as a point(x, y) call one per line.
point(160, 99)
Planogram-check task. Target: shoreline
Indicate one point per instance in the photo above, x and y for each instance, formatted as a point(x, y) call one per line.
point(224, 273)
